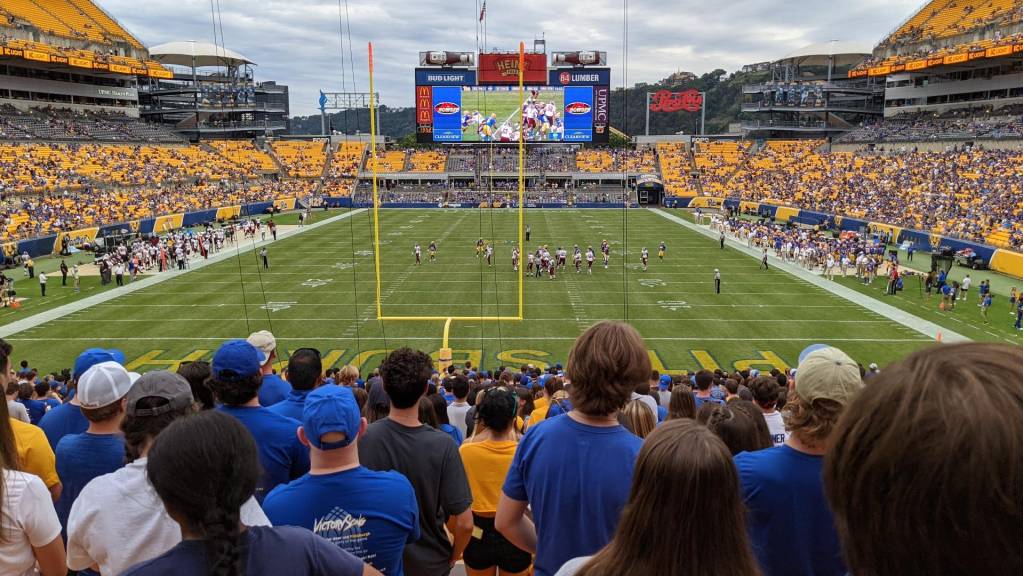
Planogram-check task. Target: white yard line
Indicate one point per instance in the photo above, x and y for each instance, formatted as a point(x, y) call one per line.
point(925, 327)
point(433, 338)
point(108, 295)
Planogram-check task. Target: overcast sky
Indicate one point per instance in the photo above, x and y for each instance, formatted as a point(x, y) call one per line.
point(296, 42)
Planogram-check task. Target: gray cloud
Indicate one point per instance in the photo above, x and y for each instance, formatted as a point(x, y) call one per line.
point(296, 42)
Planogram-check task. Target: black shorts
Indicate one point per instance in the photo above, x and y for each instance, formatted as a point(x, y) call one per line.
point(493, 549)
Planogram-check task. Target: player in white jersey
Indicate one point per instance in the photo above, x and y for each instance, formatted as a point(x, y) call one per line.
point(562, 256)
point(418, 252)
point(490, 254)
point(515, 259)
point(577, 257)
point(644, 255)
point(529, 263)
point(590, 256)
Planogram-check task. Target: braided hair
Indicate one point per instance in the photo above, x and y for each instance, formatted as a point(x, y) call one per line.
point(204, 467)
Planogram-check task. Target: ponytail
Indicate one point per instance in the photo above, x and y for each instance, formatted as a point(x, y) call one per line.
point(204, 467)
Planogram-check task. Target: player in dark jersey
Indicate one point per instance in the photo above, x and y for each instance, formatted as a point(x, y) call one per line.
point(661, 250)
point(605, 249)
point(433, 251)
point(479, 247)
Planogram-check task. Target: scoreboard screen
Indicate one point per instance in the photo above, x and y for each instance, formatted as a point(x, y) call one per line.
point(572, 106)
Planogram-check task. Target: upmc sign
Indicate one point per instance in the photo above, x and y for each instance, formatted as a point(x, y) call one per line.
point(504, 69)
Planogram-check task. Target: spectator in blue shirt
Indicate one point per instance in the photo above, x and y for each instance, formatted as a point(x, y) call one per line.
point(100, 449)
point(305, 372)
point(36, 408)
point(67, 418)
point(370, 514)
point(273, 389)
point(235, 383)
point(790, 524)
point(574, 470)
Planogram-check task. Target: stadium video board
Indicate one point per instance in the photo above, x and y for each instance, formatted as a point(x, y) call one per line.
point(571, 106)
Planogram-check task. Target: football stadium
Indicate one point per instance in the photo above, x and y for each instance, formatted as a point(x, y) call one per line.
point(525, 315)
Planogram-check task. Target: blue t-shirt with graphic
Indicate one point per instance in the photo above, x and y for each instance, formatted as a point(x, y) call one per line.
point(790, 524)
point(371, 515)
point(282, 456)
point(576, 479)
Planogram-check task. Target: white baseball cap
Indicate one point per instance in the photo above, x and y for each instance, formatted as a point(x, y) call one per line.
point(265, 344)
point(103, 384)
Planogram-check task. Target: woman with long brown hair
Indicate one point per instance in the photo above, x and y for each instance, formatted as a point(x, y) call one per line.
point(684, 516)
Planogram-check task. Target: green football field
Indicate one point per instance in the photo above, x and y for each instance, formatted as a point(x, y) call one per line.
point(320, 291)
point(505, 103)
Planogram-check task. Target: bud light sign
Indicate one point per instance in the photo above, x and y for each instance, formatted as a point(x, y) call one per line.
point(447, 117)
point(578, 114)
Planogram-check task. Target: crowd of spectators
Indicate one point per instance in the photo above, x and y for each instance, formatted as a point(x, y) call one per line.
point(966, 193)
point(990, 124)
point(62, 124)
point(601, 468)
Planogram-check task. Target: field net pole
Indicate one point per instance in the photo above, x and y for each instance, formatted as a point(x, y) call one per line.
point(376, 198)
point(522, 175)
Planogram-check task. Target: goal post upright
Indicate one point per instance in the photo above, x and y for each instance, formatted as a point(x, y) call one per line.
point(522, 173)
point(376, 198)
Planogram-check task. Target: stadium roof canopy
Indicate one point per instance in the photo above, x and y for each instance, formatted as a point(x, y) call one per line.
point(196, 54)
point(833, 52)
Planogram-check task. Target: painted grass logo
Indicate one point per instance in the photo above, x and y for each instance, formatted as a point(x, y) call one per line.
point(364, 253)
point(317, 282)
point(277, 306)
point(674, 305)
point(652, 282)
point(344, 265)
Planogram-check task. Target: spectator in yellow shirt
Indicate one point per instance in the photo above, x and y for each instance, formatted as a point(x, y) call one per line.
point(34, 452)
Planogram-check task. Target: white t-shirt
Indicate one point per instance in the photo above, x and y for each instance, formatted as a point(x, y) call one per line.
point(456, 415)
point(776, 426)
point(118, 521)
point(29, 521)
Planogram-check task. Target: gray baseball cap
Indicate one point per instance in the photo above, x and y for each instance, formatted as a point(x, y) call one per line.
point(159, 384)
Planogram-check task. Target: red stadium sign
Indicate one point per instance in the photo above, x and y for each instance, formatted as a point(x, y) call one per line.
point(504, 69)
point(665, 101)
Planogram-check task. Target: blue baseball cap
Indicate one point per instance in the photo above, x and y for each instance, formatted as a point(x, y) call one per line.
point(331, 409)
point(665, 380)
point(236, 359)
point(93, 356)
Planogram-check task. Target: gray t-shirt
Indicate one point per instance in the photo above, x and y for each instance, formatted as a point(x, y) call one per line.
point(17, 411)
point(429, 459)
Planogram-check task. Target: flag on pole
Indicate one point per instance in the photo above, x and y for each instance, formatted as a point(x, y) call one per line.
point(483, 11)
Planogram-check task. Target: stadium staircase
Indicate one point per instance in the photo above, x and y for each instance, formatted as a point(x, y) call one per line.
point(691, 155)
point(281, 169)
